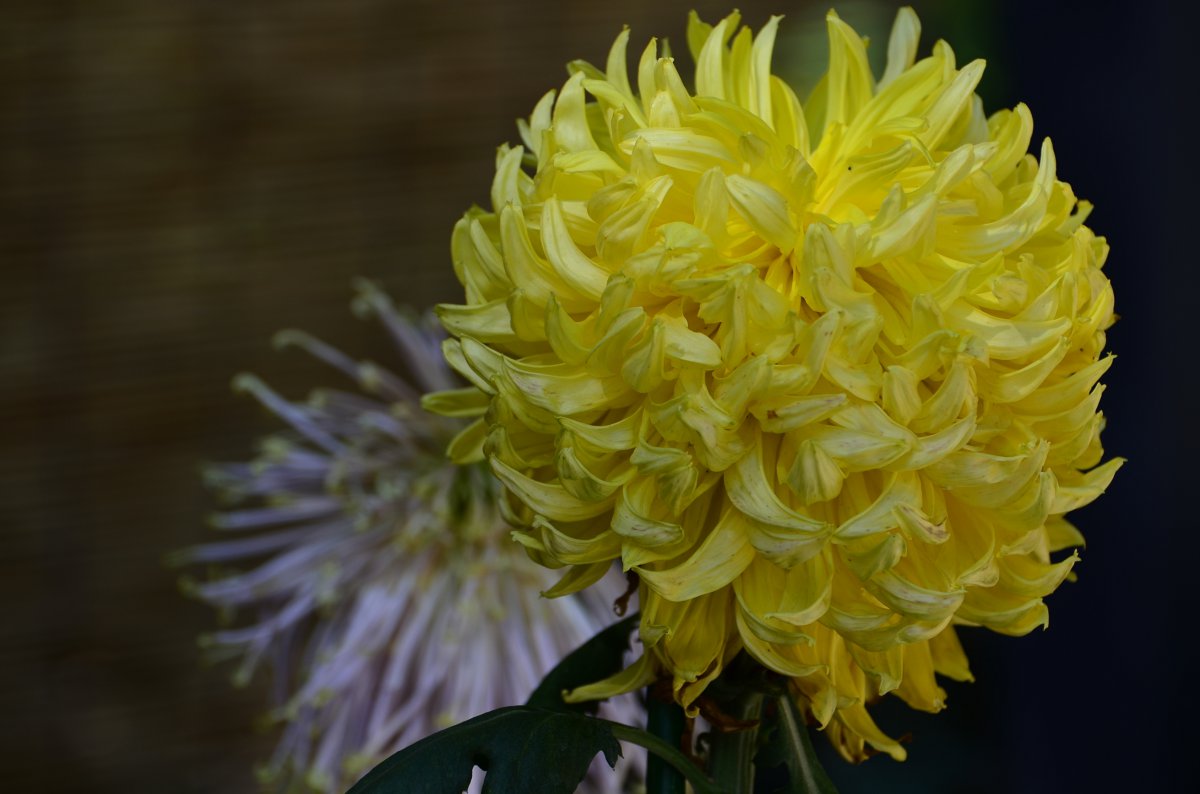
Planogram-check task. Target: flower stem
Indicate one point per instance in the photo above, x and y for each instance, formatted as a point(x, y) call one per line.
point(661, 751)
point(664, 721)
point(731, 760)
point(804, 769)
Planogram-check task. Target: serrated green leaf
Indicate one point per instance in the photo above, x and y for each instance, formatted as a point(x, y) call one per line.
point(789, 744)
point(522, 749)
point(597, 659)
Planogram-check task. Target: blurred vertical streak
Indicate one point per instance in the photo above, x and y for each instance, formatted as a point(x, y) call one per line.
point(92, 362)
point(30, 618)
point(1176, 308)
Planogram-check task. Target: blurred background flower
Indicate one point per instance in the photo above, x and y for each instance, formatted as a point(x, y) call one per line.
point(180, 180)
point(384, 592)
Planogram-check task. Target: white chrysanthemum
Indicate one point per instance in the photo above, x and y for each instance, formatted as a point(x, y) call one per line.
point(384, 590)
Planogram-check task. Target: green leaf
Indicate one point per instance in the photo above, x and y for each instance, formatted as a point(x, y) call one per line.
point(597, 659)
point(790, 744)
point(521, 749)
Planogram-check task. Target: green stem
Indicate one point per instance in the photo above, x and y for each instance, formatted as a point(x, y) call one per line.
point(731, 760)
point(664, 721)
point(660, 752)
point(805, 771)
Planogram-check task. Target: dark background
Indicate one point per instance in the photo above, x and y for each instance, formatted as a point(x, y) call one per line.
point(178, 180)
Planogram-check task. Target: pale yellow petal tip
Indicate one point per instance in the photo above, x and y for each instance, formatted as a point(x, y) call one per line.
point(975, 69)
point(637, 676)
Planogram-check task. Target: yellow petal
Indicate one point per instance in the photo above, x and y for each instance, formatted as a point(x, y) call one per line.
point(575, 269)
point(902, 45)
point(750, 491)
point(850, 82)
point(716, 562)
point(1075, 492)
point(548, 499)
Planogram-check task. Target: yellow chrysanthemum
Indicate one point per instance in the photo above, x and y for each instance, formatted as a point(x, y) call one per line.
point(823, 373)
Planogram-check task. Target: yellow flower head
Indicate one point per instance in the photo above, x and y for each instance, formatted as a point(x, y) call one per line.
point(823, 373)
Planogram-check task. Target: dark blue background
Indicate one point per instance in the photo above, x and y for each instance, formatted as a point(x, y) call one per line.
point(1104, 699)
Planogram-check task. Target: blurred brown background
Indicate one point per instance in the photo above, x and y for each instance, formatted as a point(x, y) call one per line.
point(178, 180)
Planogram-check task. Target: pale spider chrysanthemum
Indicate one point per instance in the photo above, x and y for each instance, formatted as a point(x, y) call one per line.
point(378, 578)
